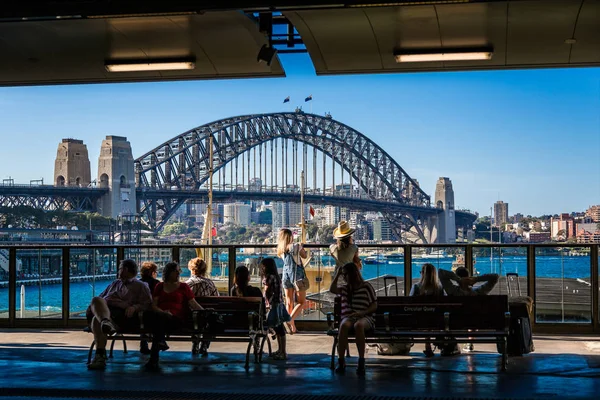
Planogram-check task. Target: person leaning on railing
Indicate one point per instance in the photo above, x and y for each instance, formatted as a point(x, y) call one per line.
point(116, 307)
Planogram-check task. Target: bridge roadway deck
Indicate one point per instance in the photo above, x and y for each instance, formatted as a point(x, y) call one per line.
point(51, 364)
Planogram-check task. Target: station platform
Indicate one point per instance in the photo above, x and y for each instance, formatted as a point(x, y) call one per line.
point(50, 364)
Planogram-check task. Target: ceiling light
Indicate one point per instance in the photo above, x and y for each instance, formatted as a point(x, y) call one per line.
point(150, 65)
point(443, 55)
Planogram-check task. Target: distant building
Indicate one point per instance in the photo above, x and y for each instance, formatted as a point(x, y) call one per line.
point(381, 230)
point(237, 214)
point(72, 164)
point(588, 236)
point(564, 223)
point(517, 217)
point(500, 213)
point(594, 213)
point(539, 237)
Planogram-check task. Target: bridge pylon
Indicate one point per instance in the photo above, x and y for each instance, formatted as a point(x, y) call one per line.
point(116, 172)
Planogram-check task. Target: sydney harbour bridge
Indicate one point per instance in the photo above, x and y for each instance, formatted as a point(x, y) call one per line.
point(259, 157)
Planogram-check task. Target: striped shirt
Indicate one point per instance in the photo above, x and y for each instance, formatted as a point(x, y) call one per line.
point(359, 301)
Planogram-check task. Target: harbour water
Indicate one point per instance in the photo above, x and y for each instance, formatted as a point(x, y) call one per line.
point(47, 298)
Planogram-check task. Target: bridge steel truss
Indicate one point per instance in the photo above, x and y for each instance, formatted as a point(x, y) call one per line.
point(182, 164)
point(46, 197)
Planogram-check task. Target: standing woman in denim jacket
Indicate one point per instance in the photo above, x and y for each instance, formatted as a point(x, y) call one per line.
point(293, 271)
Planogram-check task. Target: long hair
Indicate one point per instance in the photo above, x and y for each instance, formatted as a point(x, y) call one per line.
point(268, 267)
point(241, 280)
point(283, 241)
point(197, 266)
point(429, 283)
point(344, 242)
point(168, 270)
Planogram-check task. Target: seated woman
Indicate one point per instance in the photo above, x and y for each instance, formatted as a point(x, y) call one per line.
point(172, 301)
point(241, 284)
point(429, 285)
point(201, 287)
point(359, 303)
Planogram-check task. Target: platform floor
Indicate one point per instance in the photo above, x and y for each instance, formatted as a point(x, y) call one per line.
point(51, 364)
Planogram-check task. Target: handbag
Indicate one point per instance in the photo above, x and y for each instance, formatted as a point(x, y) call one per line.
point(303, 284)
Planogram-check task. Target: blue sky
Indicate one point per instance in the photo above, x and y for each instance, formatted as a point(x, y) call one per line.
point(528, 137)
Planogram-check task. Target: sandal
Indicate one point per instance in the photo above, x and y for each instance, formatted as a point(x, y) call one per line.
point(280, 356)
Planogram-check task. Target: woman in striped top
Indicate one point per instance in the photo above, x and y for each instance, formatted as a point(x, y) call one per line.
point(359, 304)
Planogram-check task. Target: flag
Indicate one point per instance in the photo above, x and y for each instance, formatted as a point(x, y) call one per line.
point(214, 231)
point(286, 100)
point(311, 211)
point(309, 98)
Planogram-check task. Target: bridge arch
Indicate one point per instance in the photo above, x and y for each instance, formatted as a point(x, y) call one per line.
point(182, 163)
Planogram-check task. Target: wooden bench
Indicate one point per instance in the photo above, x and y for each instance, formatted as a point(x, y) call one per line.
point(243, 320)
point(456, 319)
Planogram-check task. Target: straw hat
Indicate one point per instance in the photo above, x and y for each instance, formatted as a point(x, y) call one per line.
point(342, 230)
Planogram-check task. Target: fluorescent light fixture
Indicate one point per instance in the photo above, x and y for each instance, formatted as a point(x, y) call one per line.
point(443, 55)
point(150, 65)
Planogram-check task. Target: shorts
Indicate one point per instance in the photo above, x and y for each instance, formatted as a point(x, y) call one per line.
point(288, 277)
point(368, 321)
point(117, 315)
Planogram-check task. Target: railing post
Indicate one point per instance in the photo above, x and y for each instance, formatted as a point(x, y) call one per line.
point(12, 285)
point(66, 284)
point(469, 259)
point(120, 257)
point(175, 254)
point(231, 261)
point(594, 281)
point(407, 269)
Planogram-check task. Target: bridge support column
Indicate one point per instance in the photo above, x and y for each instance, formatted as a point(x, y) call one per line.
point(446, 220)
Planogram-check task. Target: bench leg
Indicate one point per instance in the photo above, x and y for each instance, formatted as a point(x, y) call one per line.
point(90, 352)
point(124, 347)
point(112, 346)
point(335, 340)
point(504, 353)
point(247, 365)
point(262, 347)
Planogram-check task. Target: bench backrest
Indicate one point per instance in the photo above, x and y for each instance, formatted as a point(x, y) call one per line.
point(235, 310)
point(438, 313)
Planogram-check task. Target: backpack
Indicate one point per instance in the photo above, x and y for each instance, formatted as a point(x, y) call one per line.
point(392, 349)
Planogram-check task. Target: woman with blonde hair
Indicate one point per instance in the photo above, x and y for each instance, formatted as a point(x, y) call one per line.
point(293, 271)
point(201, 287)
point(429, 285)
point(344, 250)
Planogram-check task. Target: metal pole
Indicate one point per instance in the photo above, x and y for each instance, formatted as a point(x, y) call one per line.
point(209, 213)
point(22, 306)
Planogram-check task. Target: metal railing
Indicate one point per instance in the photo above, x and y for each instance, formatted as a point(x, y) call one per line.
point(51, 285)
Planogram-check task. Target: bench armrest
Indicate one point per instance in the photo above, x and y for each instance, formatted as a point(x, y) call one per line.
point(252, 316)
point(330, 320)
point(447, 321)
point(140, 315)
point(386, 318)
point(507, 322)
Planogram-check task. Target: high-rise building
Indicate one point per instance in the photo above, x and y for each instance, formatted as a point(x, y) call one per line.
point(562, 227)
point(237, 214)
point(381, 230)
point(594, 213)
point(500, 213)
point(72, 164)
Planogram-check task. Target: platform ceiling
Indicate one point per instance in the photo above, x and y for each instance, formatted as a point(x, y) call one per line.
point(55, 42)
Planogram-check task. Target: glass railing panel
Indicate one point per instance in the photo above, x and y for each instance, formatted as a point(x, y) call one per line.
point(447, 258)
point(90, 271)
point(383, 268)
point(510, 263)
point(563, 286)
point(4, 283)
point(320, 270)
point(39, 283)
point(158, 255)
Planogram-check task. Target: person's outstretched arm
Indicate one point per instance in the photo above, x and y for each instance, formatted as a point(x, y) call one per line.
point(450, 282)
point(490, 281)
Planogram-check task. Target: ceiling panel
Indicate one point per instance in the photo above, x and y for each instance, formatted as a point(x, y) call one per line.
point(224, 44)
point(587, 34)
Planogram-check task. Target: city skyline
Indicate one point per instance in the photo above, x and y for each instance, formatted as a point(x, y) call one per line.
point(499, 135)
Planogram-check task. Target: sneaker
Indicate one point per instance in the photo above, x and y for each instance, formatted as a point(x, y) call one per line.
point(280, 356)
point(99, 362)
point(468, 347)
point(203, 350)
point(360, 370)
point(108, 327)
